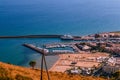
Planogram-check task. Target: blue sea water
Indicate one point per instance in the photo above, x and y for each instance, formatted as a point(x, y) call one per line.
point(75, 17)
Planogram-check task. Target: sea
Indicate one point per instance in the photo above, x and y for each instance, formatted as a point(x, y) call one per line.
point(34, 17)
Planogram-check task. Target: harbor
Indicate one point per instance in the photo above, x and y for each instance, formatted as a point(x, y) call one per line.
point(84, 45)
point(77, 54)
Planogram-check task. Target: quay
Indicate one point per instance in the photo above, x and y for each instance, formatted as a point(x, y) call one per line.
point(63, 51)
point(56, 45)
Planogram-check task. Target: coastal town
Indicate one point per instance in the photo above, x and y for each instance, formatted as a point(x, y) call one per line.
point(59, 39)
point(92, 55)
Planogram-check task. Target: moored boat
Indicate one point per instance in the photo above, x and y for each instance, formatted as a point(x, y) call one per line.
point(67, 37)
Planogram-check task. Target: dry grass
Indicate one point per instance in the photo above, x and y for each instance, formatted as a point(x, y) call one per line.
point(12, 72)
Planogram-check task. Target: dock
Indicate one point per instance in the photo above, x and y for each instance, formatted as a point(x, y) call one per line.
point(57, 45)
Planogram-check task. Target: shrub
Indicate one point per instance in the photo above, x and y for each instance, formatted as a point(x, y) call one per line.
point(32, 64)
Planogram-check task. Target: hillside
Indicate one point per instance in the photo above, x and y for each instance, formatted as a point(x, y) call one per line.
point(11, 72)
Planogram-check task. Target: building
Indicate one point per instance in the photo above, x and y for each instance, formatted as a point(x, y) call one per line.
point(111, 69)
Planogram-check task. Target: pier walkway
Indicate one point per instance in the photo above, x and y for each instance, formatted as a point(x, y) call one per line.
point(37, 49)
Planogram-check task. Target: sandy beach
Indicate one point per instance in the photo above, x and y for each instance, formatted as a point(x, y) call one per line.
point(82, 60)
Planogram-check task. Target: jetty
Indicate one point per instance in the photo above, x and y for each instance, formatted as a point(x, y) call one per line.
point(37, 49)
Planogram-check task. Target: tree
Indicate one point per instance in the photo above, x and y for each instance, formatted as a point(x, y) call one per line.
point(32, 64)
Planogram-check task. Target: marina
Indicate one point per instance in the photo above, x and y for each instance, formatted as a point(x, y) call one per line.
point(53, 51)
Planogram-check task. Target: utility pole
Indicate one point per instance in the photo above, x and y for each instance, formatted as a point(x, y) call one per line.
point(43, 60)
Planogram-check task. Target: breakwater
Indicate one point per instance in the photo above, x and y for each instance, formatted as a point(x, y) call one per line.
point(37, 49)
point(32, 36)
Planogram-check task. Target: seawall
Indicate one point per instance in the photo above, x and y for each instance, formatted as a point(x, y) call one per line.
point(32, 36)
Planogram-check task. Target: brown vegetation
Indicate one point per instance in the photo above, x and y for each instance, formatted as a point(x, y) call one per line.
point(11, 72)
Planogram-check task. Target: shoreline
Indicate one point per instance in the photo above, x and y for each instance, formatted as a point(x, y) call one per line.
point(50, 60)
point(52, 67)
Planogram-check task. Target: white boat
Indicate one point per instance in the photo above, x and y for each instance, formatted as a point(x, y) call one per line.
point(67, 37)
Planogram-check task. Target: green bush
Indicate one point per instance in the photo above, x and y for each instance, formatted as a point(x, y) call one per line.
point(32, 64)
